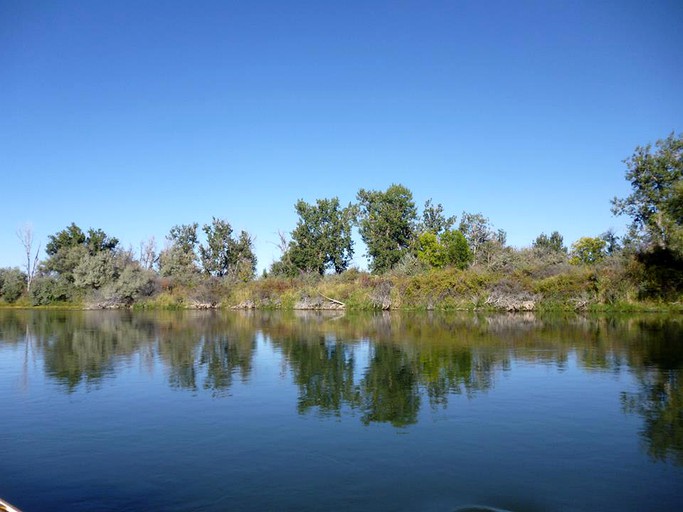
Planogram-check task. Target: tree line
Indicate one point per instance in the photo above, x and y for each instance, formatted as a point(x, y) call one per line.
point(398, 237)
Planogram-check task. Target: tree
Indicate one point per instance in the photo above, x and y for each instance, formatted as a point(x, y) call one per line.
point(449, 249)
point(456, 248)
point(69, 247)
point(25, 234)
point(284, 266)
point(179, 259)
point(654, 202)
point(434, 220)
point(482, 239)
point(554, 242)
point(245, 258)
point(612, 245)
point(12, 283)
point(71, 236)
point(95, 271)
point(430, 250)
point(148, 253)
point(216, 256)
point(588, 250)
point(386, 224)
point(98, 241)
point(222, 255)
point(322, 237)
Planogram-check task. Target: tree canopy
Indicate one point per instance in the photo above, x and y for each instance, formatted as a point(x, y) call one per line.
point(554, 242)
point(387, 224)
point(656, 199)
point(322, 238)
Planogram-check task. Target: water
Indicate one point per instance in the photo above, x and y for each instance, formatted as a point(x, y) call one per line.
point(213, 411)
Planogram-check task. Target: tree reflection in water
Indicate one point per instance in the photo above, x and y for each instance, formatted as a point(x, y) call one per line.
point(382, 366)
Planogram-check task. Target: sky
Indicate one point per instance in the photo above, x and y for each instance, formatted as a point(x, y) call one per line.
point(135, 116)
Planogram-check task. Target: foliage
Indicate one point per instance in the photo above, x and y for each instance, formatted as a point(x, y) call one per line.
point(450, 248)
point(434, 220)
point(179, 259)
point(322, 238)
point(554, 242)
point(223, 255)
point(115, 276)
point(94, 271)
point(612, 245)
point(386, 224)
point(654, 204)
point(409, 265)
point(12, 283)
point(456, 248)
point(69, 247)
point(71, 236)
point(661, 275)
point(48, 289)
point(132, 283)
point(588, 250)
point(430, 250)
point(483, 240)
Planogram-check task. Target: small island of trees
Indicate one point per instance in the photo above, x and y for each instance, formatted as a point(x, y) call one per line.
point(418, 259)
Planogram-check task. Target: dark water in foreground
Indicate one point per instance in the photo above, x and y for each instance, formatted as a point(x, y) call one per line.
point(213, 411)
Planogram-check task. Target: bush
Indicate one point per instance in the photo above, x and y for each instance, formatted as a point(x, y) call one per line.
point(48, 289)
point(12, 284)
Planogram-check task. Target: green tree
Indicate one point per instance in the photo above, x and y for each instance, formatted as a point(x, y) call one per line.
point(179, 260)
point(456, 249)
point(554, 242)
point(386, 224)
point(218, 255)
point(655, 198)
point(434, 220)
point(71, 236)
point(588, 250)
point(322, 237)
point(12, 284)
point(449, 249)
point(95, 271)
point(68, 248)
point(483, 240)
point(111, 278)
point(244, 257)
point(430, 250)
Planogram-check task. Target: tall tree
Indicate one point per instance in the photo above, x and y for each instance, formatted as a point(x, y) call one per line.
point(434, 220)
point(216, 255)
point(322, 237)
point(387, 224)
point(482, 238)
point(148, 253)
point(223, 255)
point(179, 259)
point(656, 178)
point(25, 234)
point(67, 248)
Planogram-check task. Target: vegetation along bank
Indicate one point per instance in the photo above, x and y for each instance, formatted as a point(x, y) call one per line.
point(418, 259)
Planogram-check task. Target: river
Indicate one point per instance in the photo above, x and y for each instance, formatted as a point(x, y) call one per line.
point(217, 411)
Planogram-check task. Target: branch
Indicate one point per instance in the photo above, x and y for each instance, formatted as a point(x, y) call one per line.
point(333, 300)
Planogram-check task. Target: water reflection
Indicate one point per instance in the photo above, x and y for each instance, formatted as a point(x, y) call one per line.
point(383, 367)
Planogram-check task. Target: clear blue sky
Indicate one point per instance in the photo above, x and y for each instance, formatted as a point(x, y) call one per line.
point(135, 116)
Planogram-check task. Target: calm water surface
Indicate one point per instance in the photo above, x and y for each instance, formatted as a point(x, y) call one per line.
point(214, 411)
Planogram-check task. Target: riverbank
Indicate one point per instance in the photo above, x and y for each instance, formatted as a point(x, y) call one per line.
point(579, 288)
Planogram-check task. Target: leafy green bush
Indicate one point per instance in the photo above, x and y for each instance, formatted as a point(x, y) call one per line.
point(12, 284)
